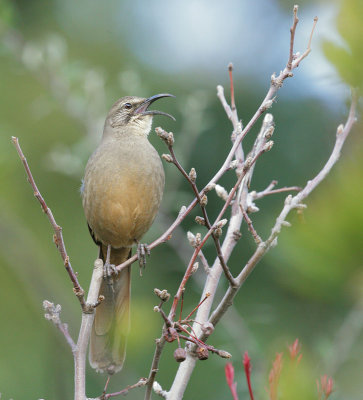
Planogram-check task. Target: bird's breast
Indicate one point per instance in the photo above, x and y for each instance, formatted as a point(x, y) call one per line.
point(123, 187)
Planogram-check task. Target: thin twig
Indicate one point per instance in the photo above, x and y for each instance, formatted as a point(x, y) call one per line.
point(205, 215)
point(204, 262)
point(53, 314)
point(58, 236)
point(225, 269)
point(268, 191)
point(160, 343)
point(233, 104)
point(292, 38)
point(140, 383)
point(255, 235)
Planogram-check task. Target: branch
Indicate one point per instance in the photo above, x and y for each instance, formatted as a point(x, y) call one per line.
point(160, 343)
point(290, 204)
point(292, 37)
point(53, 314)
point(202, 202)
point(255, 235)
point(269, 190)
point(58, 236)
point(88, 315)
point(233, 233)
point(276, 83)
point(124, 392)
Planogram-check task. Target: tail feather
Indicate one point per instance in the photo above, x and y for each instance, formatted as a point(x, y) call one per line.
point(112, 319)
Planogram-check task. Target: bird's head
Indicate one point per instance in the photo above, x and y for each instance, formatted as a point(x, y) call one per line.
point(133, 113)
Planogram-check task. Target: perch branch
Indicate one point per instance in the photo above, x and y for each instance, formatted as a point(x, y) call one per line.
point(88, 315)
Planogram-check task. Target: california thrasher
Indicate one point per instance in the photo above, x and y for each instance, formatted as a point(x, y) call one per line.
point(121, 193)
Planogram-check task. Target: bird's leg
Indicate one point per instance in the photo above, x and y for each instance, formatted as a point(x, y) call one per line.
point(142, 251)
point(108, 269)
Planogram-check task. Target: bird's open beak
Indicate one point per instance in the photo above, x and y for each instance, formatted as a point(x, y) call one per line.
point(143, 108)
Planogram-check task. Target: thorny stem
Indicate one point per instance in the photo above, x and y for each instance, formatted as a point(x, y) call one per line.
point(58, 236)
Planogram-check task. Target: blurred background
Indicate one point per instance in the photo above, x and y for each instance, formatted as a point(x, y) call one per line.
point(64, 63)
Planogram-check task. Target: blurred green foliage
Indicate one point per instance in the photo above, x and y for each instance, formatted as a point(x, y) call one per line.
point(348, 57)
point(58, 81)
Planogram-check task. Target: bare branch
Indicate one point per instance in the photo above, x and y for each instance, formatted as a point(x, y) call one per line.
point(290, 204)
point(58, 236)
point(185, 369)
point(255, 235)
point(202, 203)
point(269, 190)
point(204, 262)
point(160, 343)
point(85, 332)
point(292, 38)
point(308, 48)
point(141, 382)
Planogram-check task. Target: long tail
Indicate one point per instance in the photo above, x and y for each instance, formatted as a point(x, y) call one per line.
point(112, 320)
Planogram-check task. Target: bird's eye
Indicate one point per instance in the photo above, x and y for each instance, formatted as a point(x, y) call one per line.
point(128, 106)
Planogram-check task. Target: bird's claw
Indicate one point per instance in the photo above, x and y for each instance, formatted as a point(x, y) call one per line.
point(142, 251)
point(109, 270)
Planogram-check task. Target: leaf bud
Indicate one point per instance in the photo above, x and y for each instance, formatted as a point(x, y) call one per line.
point(221, 192)
point(191, 238)
point(167, 157)
point(162, 294)
point(195, 267)
point(268, 145)
point(204, 200)
point(209, 187)
point(217, 232)
point(193, 175)
point(170, 139)
point(224, 354)
point(199, 220)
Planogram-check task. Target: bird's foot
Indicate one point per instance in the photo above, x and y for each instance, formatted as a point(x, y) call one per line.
point(109, 270)
point(142, 251)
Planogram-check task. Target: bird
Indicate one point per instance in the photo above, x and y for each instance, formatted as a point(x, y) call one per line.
point(121, 192)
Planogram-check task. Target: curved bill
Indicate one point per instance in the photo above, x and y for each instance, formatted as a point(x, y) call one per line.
point(143, 108)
